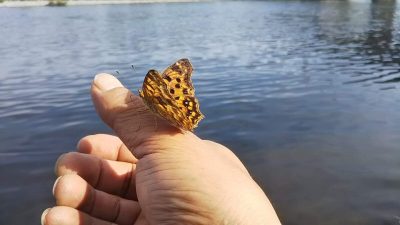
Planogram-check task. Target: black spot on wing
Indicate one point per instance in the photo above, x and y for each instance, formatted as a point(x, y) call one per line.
point(185, 102)
point(168, 78)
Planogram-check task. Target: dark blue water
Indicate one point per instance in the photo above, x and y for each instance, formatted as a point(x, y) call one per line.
point(306, 94)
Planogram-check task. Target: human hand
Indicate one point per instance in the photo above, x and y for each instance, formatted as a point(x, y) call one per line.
point(151, 173)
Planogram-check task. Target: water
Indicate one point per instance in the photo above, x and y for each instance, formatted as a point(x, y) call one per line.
point(305, 93)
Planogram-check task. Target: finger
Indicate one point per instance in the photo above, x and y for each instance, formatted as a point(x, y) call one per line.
point(113, 177)
point(74, 192)
point(62, 215)
point(106, 146)
point(126, 113)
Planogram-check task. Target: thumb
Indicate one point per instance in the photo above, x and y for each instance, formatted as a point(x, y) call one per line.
point(126, 113)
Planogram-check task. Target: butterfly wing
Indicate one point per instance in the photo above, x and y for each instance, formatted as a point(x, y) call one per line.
point(155, 95)
point(177, 78)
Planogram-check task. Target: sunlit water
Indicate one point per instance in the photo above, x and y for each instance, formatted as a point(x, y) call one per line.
point(305, 93)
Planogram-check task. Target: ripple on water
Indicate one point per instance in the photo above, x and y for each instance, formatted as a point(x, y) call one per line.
point(306, 93)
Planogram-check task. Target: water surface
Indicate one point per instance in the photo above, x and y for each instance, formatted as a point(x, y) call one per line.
point(305, 93)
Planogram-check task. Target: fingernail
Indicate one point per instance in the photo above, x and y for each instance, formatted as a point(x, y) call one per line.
point(106, 82)
point(55, 184)
point(43, 217)
point(56, 166)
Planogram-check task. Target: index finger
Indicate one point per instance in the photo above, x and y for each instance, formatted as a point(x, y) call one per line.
point(106, 146)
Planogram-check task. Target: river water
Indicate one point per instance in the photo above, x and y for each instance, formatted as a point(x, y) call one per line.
point(305, 93)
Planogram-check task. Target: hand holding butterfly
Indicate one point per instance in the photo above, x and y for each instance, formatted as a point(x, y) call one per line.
point(150, 173)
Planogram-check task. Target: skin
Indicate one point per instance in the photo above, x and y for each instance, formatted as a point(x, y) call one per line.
point(150, 173)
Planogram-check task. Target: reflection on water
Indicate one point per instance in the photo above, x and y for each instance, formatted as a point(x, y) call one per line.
point(305, 93)
point(373, 38)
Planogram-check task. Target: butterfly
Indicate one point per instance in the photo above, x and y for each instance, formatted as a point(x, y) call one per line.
point(171, 95)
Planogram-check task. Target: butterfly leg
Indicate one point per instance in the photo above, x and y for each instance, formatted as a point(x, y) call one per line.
point(139, 127)
point(130, 96)
point(155, 121)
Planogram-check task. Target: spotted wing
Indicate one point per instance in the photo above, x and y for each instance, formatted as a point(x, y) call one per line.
point(156, 96)
point(177, 78)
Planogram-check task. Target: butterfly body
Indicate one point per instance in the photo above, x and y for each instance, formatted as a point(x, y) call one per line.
point(171, 95)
